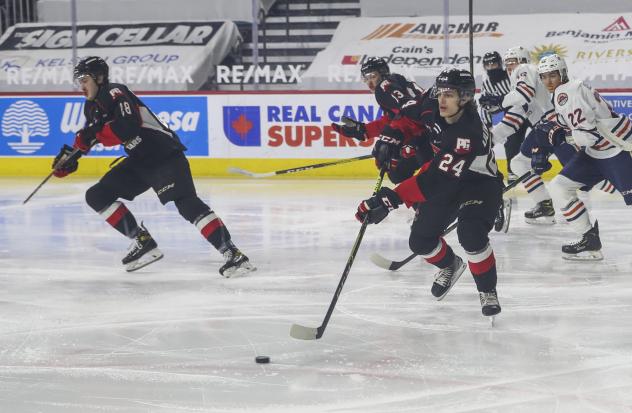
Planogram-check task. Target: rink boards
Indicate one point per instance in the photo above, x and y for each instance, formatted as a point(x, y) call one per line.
point(259, 131)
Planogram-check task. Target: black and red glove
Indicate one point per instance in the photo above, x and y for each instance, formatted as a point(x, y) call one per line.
point(65, 162)
point(350, 128)
point(387, 148)
point(376, 208)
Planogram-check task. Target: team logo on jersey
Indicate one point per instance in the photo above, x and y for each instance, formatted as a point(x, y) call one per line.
point(25, 119)
point(242, 125)
point(462, 146)
point(114, 92)
point(562, 98)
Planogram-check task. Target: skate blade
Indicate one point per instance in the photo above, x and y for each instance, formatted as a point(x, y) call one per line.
point(584, 256)
point(507, 205)
point(152, 256)
point(540, 221)
point(492, 320)
point(456, 277)
point(239, 271)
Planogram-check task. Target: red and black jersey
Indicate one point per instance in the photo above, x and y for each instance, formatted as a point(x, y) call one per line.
point(463, 156)
point(392, 92)
point(129, 122)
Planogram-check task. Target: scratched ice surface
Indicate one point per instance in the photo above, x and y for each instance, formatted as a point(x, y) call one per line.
point(79, 334)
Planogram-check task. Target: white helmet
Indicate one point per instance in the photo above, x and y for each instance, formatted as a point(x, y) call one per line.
point(551, 63)
point(519, 53)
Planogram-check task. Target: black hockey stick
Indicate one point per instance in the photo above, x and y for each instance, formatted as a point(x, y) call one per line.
point(387, 264)
point(310, 333)
point(297, 169)
point(75, 154)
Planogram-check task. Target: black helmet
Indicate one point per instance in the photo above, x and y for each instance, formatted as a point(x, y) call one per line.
point(491, 58)
point(375, 64)
point(92, 66)
point(459, 79)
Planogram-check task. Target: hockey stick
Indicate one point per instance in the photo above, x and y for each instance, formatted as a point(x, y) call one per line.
point(310, 333)
point(75, 154)
point(387, 264)
point(297, 169)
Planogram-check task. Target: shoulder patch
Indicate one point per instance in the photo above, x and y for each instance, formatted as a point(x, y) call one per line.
point(562, 98)
point(115, 92)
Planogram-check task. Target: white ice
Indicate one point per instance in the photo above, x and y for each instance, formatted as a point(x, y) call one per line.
point(79, 334)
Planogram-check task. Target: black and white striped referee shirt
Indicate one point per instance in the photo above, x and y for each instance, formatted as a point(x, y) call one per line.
point(500, 88)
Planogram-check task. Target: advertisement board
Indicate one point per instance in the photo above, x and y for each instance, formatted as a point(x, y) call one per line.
point(40, 125)
point(146, 56)
point(597, 47)
point(257, 130)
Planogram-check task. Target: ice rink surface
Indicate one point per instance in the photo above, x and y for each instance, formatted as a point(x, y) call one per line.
point(79, 334)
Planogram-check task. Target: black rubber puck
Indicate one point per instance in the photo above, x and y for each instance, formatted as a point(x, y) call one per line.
point(262, 359)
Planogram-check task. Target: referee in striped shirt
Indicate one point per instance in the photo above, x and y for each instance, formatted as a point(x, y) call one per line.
point(497, 83)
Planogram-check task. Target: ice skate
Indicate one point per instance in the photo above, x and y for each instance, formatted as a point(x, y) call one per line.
point(586, 249)
point(236, 263)
point(504, 216)
point(542, 214)
point(142, 252)
point(447, 277)
point(490, 307)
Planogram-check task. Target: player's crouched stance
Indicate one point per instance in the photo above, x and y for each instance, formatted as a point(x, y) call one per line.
point(461, 180)
point(115, 116)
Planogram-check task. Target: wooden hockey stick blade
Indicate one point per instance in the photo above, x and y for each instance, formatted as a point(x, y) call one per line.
point(250, 174)
point(303, 333)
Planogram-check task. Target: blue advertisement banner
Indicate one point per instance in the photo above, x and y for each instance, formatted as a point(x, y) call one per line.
point(39, 126)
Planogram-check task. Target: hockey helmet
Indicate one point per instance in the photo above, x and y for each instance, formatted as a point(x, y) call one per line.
point(551, 63)
point(375, 64)
point(519, 53)
point(460, 80)
point(92, 66)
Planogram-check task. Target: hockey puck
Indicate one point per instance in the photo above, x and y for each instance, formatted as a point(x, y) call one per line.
point(262, 359)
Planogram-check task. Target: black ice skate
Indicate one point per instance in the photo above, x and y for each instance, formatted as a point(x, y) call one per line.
point(447, 277)
point(142, 252)
point(504, 216)
point(489, 303)
point(586, 249)
point(542, 214)
point(236, 263)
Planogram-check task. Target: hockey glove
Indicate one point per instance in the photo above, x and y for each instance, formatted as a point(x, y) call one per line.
point(387, 148)
point(549, 133)
point(64, 164)
point(350, 128)
point(491, 103)
point(540, 160)
point(376, 208)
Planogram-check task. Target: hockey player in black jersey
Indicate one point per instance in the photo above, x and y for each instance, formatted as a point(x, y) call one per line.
point(115, 116)
point(391, 90)
point(461, 180)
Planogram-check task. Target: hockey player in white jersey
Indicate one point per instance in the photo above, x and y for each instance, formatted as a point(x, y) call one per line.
point(604, 138)
point(522, 108)
point(528, 103)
